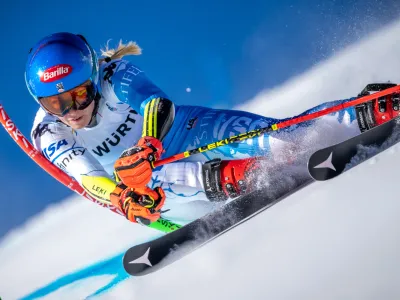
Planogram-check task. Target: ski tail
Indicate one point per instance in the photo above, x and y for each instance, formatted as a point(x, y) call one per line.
point(329, 162)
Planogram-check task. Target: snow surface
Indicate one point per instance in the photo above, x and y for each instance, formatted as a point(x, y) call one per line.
point(333, 240)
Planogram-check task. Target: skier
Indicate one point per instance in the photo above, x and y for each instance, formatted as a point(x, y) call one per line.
point(104, 123)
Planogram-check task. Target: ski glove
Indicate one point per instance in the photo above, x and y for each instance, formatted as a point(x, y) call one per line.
point(135, 165)
point(141, 205)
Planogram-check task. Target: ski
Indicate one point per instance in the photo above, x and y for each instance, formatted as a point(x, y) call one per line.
point(151, 256)
point(332, 161)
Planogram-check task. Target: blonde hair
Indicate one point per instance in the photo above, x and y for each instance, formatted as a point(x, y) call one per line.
point(131, 48)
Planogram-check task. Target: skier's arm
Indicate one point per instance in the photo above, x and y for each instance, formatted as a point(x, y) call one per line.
point(132, 86)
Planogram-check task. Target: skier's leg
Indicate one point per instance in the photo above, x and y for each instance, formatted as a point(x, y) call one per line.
point(194, 127)
point(186, 181)
point(185, 196)
point(195, 188)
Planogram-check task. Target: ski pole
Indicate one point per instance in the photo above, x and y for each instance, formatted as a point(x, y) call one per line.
point(275, 127)
point(162, 224)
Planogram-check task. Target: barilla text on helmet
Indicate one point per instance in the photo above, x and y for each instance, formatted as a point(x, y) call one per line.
point(55, 73)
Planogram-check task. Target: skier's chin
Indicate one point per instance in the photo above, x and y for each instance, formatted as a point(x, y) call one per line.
point(78, 123)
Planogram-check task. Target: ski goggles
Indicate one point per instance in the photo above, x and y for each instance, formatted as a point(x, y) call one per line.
point(78, 98)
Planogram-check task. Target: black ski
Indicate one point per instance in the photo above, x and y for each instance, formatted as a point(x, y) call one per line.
point(332, 161)
point(153, 255)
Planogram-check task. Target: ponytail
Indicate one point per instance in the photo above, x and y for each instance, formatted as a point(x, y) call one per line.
point(131, 48)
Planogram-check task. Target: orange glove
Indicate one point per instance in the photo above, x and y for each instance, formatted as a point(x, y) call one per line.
point(141, 205)
point(135, 165)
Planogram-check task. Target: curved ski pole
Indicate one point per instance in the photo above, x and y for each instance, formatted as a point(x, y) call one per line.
point(162, 224)
point(275, 127)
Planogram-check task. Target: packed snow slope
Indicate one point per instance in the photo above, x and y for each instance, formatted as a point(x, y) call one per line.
point(332, 240)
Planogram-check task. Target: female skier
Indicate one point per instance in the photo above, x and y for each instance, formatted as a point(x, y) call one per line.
point(104, 123)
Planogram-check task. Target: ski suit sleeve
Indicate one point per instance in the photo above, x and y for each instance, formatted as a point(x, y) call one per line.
point(132, 87)
point(63, 148)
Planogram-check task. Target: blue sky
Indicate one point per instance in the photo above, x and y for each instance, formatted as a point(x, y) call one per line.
point(225, 51)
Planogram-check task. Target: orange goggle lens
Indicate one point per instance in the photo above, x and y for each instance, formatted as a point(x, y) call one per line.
point(78, 98)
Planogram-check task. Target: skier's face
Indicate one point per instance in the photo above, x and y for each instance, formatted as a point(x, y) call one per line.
point(78, 119)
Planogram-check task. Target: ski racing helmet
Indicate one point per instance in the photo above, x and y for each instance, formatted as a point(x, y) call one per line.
point(58, 63)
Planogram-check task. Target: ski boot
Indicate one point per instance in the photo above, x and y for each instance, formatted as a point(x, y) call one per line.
point(223, 179)
point(377, 111)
